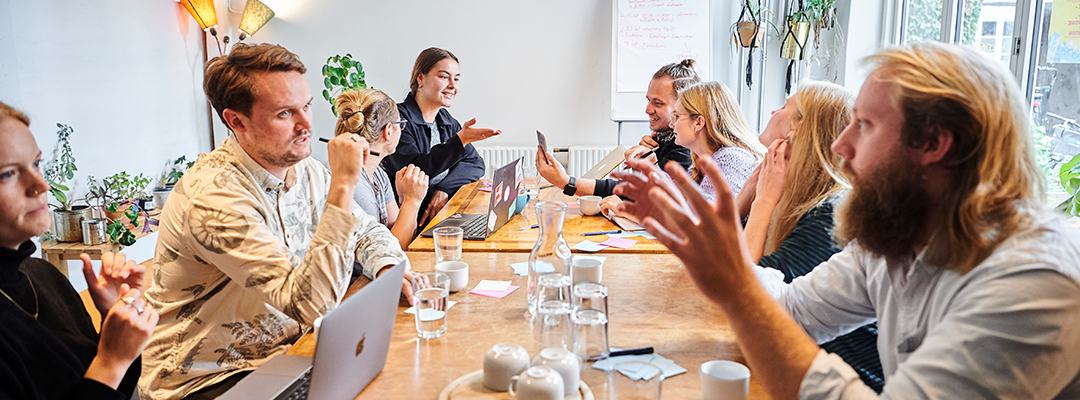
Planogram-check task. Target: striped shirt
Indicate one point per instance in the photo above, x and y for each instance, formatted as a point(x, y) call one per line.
point(807, 246)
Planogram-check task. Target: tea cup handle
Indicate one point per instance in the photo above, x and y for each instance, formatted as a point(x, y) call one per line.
point(513, 380)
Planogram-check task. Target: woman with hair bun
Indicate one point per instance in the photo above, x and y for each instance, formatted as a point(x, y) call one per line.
point(372, 114)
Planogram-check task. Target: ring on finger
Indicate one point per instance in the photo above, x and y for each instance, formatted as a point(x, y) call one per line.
point(355, 138)
point(128, 300)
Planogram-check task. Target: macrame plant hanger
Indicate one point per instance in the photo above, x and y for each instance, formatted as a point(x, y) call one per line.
point(801, 48)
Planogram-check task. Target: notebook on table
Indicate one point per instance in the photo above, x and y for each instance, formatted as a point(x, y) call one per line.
point(350, 351)
point(503, 202)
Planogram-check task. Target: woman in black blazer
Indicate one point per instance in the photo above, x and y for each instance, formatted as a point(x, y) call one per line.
point(432, 139)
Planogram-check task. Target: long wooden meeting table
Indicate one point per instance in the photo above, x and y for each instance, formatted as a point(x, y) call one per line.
point(470, 199)
point(652, 302)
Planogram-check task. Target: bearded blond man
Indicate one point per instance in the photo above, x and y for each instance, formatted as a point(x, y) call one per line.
point(948, 247)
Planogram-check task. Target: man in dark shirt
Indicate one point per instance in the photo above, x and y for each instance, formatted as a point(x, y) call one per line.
point(662, 94)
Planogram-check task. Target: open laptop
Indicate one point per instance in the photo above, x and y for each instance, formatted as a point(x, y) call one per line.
point(504, 194)
point(350, 351)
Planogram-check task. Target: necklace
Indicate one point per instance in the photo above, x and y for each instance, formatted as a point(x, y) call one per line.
point(36, 305)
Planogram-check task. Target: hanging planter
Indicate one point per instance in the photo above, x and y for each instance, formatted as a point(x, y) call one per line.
point(750, 33)
point(795, 41)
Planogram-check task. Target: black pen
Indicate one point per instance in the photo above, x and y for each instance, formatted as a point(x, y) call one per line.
point(647, 153)
point(325, 140)
point(544, 187)
point(631, 352)
point(529, 227)
point(601, 233)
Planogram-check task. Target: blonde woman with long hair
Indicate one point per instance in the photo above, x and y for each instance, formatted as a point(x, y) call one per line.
point(790, 221)
point(708, 121)
point(372, 114)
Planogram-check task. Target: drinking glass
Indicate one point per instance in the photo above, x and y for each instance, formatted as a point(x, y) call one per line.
point(448, 240)
point(551, 327)
point(590, 321)
point(634, 380)
point(531, 178)
point(429, 299)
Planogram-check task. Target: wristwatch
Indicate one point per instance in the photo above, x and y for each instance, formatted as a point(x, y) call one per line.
point(570, 188)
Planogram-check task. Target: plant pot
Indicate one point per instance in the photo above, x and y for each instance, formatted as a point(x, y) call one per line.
point(750, 33)
point(146, 204)
point(120, 211)
point(161, 194)
point(796, 40)
point(67, 224)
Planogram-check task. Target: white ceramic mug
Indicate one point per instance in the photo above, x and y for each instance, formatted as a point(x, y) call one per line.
point(503, 362)
point(587, 270)
point(567, 364)
point(537, 383)
point(458, 271)
point(589, 205)
point(724, 380)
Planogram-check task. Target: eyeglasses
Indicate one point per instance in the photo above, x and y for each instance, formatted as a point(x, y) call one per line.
point(675, 116)
point(400, 124)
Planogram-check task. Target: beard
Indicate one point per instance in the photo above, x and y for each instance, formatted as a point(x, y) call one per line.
point(887, 209)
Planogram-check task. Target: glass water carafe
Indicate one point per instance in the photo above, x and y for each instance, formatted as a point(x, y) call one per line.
point(551, 255)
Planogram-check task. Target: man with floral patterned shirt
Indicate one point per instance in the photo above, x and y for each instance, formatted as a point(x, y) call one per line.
point(258, 239)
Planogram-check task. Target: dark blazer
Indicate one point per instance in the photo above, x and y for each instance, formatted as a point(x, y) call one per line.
point(464, 162)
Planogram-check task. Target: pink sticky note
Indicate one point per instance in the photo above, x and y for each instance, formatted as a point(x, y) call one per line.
point(621, 243)
point(571, 205)
point(497, 295)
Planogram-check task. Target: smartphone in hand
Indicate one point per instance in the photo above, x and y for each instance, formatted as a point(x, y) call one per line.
point(542, 141)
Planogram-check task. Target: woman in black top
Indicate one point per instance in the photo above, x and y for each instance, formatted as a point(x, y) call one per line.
point(49, 348)
point(432, 139)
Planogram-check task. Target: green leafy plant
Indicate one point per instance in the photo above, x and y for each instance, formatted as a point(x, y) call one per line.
point(114, 193)
point(61, 169)
point(820, 11)
point(175, 171)
point(341, 73)
point(1070, 181)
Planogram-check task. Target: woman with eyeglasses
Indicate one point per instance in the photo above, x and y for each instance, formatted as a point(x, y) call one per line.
point(708, 121)
point(432, 139)
point(373, 115)
point(49, 348)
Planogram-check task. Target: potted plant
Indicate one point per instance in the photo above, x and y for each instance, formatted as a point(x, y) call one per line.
point(1070, 181)
point(173, 172)
point(115, 196)
point(810, 15)
point(747, 31)
point(341, 73)
point(67, 217)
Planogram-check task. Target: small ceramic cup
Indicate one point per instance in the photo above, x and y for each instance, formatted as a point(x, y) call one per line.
point(724, 380)
point(589, 205)
point(587, 270)
point(537, 383)
point(502, 362)
point(567, 364)
point(458, 271)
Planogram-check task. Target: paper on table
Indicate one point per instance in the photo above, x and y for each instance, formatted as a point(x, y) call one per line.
point(521, 268)
point(621, 243)
point(571, 205)
point(588, 245)
point(668, 367)
point(492, 286)
point(497, 295)
point(428, 314)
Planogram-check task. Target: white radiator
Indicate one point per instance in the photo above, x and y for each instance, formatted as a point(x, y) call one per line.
point(583, 158)
point(497, 156)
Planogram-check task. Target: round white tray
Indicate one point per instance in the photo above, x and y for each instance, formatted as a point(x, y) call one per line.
point(471, 386)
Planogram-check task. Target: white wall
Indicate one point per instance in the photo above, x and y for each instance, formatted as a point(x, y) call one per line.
point(126, 75)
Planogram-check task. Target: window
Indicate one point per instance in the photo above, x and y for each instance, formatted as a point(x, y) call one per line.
point(1046, 67)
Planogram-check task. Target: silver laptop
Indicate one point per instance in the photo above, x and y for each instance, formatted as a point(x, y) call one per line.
point(350, 351)
point(608, 164)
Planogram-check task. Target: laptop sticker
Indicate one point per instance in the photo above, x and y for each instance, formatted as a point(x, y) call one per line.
point(491, 221)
